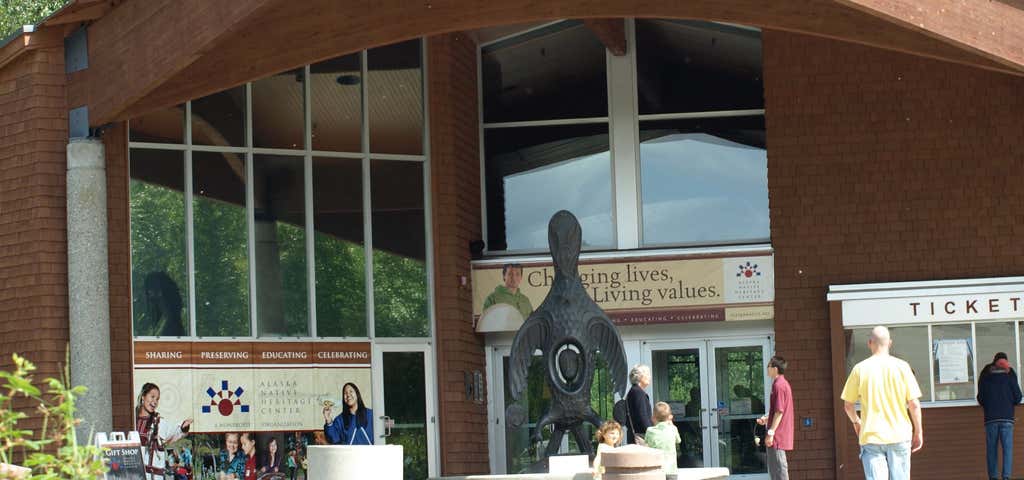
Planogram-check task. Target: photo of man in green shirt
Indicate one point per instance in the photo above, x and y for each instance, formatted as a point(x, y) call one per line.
point(508, 292)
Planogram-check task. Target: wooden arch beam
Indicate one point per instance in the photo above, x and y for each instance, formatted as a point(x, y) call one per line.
point(149, 54)
point(611, 32)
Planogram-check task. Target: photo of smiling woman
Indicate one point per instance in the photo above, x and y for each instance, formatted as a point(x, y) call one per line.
point(354, 425)
point(156, 433)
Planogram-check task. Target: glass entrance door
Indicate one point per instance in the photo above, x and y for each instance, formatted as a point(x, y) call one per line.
point(717, 390)
point(407, 417)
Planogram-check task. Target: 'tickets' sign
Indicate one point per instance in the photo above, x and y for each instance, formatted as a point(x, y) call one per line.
point(643, 291)
point(931, 309)
point(261, 386)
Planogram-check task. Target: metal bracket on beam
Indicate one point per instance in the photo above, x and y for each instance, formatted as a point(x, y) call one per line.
point(76, 51)
point(78, 122)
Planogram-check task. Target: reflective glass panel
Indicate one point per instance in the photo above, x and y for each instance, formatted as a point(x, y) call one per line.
point(159, 263)
point(740, 374)
point(277, 111)
point(676, 378)
point(405, 401)
point(689, 66)
point(550, 73)
point(953, 362)
point(282, 299)
point(704, 181)
point(908, 343)
point(336, 106)
point(399, 249)
point(166, 125)
point(395, 91)
point(531, 173)
point(219, 119)
point(340, 250)
point(993, 338)
point(221, 251)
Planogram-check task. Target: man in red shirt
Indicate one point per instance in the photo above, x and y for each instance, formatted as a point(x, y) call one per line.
point(779, 419)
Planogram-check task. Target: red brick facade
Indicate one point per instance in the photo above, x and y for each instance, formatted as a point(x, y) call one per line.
point(455, 185)
point(883, 167)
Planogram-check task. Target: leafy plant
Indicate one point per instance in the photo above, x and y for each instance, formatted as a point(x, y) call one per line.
point(16, 13)
point(56, 453)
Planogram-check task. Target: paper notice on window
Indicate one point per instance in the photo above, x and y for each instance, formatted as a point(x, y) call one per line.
point(952, 356)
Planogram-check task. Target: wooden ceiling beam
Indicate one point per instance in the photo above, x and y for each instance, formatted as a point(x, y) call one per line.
point(611, 32)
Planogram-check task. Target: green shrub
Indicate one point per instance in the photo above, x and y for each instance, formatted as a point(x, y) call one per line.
point(55, 452)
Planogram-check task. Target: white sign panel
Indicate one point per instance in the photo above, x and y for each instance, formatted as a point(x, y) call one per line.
point(952, 355)
point(933, 309)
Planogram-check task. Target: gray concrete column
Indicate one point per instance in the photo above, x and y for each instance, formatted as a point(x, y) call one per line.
point(88, 284)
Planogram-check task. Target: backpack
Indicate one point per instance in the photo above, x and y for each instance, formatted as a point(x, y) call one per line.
point(620, 412)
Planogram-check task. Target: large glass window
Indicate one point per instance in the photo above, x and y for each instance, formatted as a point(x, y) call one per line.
point(691, 66)
point(269, 223)
point(337, 86)
point(993, 338)
point(280, 240)
point(395, 99)
point(220, 231)
point(953, 362)
point(534, 172)
point(399, 251)
point(219, 119)
point(556, 72)
point(277, 110)
point(909, 344)
point(947, 357)
point(704, 181)
point(159, 265)
point(700, 155)
point(339, 247)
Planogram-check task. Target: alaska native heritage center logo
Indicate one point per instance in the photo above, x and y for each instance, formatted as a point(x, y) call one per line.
point(747, 270)
point(225, 400)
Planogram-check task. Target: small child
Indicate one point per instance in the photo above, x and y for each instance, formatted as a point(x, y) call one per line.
point(607, 438)
point(664, 436)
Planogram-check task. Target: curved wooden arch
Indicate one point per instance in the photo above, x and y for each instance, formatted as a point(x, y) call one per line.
point(147, 54)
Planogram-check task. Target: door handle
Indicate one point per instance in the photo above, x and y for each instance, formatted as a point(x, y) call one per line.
point(700, 419)
point(389, 423)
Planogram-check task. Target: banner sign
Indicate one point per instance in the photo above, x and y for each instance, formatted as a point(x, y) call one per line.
point(632, 292)
point(252, 386)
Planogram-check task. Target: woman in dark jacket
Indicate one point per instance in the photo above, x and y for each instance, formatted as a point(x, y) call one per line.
point(638, 404)
point(998, 393)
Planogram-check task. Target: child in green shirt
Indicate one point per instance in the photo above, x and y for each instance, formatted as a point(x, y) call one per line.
point(664, 436)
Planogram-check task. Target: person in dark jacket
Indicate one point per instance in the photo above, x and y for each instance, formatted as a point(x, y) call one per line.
point(638, 404)
point(998, 393)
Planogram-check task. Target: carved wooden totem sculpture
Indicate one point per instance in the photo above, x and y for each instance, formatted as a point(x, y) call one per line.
point(569, 329)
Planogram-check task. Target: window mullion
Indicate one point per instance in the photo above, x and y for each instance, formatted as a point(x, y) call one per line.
point(623, 138)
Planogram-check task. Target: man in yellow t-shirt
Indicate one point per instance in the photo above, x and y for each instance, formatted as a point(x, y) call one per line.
point(886, 388)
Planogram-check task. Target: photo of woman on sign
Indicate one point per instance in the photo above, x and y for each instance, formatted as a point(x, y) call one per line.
point(354, 426)
point(155, 432)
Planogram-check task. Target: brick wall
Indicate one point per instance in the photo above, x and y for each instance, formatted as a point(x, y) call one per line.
point(455, 184)
point(883, 167)
point(33, 214)
point(115, 142)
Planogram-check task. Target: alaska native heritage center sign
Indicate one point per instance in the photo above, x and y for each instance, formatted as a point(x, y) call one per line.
point(636, 292)
point(260, 386)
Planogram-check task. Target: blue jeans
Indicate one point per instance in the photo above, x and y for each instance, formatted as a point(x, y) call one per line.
point(886, 462)
point(995, 433)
